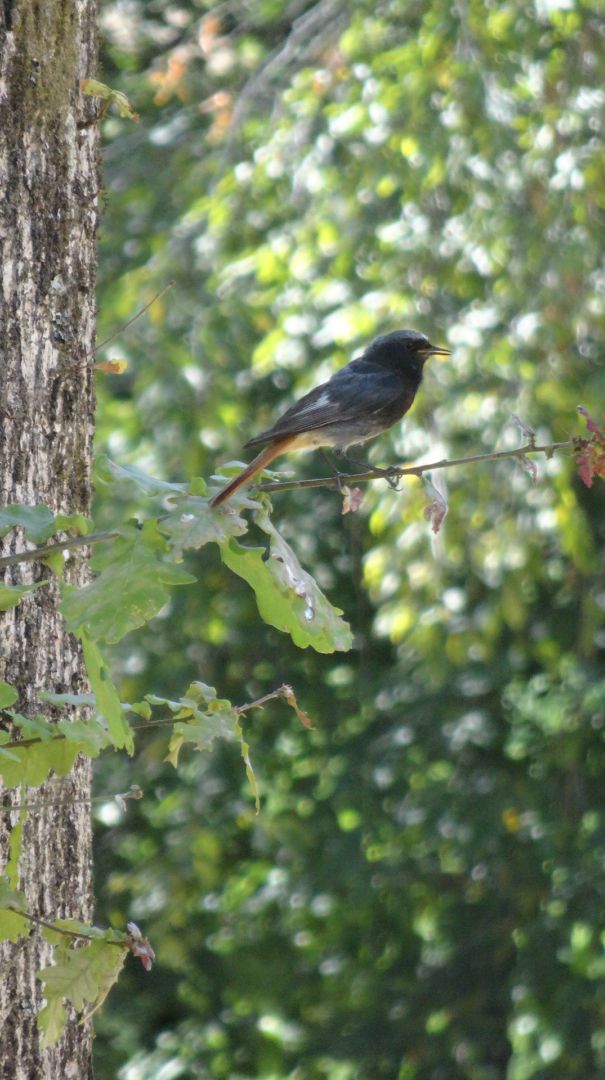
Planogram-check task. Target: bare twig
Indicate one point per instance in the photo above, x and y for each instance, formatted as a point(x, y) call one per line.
point(59, 545)
point(120, 797)
point(121, 329)
point(395, 472)
point(283, 691)
point(63, 929)
point(311, 32)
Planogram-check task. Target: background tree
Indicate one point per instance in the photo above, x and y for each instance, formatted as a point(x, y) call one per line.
point(421, 895)
point(49, 182)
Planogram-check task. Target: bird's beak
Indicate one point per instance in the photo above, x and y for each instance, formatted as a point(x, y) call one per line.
point(437, 350)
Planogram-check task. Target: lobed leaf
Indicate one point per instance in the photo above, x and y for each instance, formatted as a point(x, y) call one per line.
point(108, 472)
point(205, 717)
point(193, 524)
point(287, 596)
point(11, 595)
point(39, 523)
point(84, 977)
point(130, 590)
point(106, 695)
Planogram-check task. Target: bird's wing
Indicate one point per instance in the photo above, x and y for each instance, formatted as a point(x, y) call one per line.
point(357, 389)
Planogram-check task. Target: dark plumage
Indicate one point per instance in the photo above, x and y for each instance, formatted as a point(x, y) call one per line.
point(363, 399)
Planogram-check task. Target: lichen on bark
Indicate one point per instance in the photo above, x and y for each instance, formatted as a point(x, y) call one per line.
point(45, 44)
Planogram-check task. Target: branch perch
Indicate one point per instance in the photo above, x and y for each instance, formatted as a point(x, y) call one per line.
point(395, 472)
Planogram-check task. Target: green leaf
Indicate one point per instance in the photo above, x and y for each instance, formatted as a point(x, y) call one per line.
point(197, 693)
point(10, 595)
point(108, 701)
point(193, 523)
point(57, 747)
point(31, 764)
point(37, 522)
point(54, 936)
point(245, 752)
point(33, 727)
point(207, 718)
point(287, 597)
point(68, 699)
point(107, 472)
point(89, 736)
point(140, 708)
point(197, 486)
point(129, 591)
point(75, 523)
point(84, 976)
point(94, 88)
point(13, 926)
point(51, 1022)
point(8, 695)
point(10, 897)
point(201, 731)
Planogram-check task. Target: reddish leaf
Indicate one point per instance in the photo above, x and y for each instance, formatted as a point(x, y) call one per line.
point(598, 463)
point(585, 468)
point(352, 499)
point(140, 946)
point(112, 367)
point(436, 508)
point(290, 697)
point(591, 424)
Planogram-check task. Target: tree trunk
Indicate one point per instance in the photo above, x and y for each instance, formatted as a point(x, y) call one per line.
point(48, 215)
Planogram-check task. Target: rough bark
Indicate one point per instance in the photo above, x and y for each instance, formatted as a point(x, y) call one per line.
point(48, 213)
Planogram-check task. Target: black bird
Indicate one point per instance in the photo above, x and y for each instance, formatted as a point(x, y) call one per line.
point(363, 399)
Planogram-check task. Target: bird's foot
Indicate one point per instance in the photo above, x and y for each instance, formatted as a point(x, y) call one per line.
point(392, 475)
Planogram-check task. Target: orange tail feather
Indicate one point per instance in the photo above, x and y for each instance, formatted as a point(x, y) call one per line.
point(266, 456)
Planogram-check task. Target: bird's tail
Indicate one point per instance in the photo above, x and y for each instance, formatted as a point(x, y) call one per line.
point(266, 456)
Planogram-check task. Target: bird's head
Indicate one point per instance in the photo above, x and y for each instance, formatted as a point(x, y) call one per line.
point(403, 349)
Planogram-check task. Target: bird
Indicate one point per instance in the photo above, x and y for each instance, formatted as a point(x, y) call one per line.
point(360, 401)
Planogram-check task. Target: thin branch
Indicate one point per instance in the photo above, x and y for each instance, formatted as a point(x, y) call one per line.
point(63, 929)
point(59, 545)
point(395, 472)
point(43, 803)
point(284, 691)
point(134, 792)
point(121, 329)
point(312, 31)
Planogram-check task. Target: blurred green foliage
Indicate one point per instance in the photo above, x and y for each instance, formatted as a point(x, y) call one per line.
point(422, 893)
